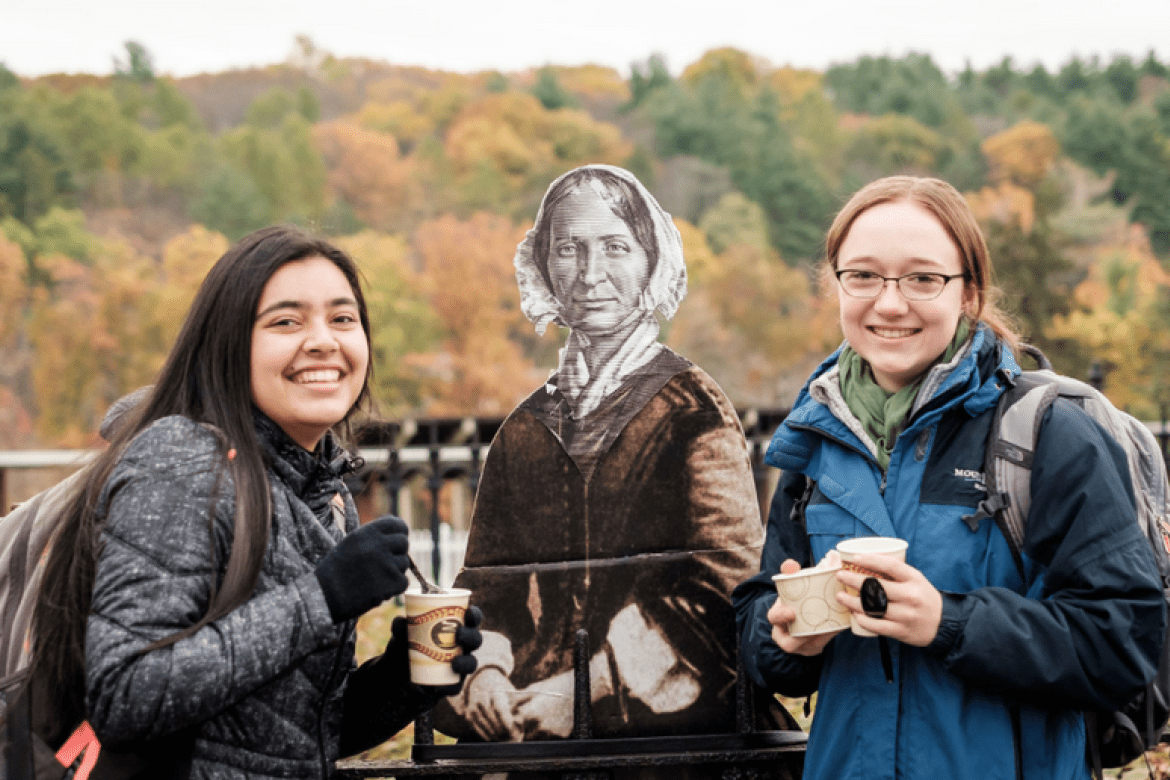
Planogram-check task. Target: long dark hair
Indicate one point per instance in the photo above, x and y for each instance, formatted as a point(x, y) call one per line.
point(207, 378)
point(621, 196)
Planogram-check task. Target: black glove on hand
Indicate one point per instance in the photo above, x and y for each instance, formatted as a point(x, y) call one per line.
point(367, 567)
point(380, 699)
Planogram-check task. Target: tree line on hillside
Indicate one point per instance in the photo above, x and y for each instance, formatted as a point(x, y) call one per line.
point(117, 192)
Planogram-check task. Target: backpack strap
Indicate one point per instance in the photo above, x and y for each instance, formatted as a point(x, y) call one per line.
point(1007, 460)
point(17, 563)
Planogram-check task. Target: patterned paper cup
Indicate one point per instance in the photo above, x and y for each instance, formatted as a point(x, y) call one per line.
point(868, 545)
point(813, 594)
point(432, 619)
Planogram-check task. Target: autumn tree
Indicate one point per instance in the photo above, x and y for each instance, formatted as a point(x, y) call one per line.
point(1122, 320)
point(80, 371)
point(14, 311)
point(467, 265)
point(505, 148)
point(753, 322)
point(1027, 251)
point(406, 330)
point(367, 172)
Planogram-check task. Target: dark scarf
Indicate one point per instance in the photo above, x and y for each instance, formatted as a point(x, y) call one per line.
point(315, 477)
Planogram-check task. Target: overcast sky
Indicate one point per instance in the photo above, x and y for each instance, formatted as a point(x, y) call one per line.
point(47, 36)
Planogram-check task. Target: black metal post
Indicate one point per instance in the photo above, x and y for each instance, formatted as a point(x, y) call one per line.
point(435, 485)
point(393, 479)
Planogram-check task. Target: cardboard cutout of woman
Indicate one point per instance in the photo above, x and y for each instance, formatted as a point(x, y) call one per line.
point(617, 498)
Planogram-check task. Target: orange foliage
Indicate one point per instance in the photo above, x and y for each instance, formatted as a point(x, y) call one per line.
point(365, 169)
point(468, 268)
point(1006, 204)
point(96, 336)
point(12, 289)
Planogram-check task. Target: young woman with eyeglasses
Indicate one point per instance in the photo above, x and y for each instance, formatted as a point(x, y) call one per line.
point(976, 672)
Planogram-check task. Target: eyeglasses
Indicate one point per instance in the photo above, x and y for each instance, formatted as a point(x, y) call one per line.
point(917, 286)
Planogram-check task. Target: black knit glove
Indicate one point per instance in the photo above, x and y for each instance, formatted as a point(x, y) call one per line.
point(367, 567)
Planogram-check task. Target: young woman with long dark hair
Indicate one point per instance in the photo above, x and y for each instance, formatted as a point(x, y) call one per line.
point(199, 603)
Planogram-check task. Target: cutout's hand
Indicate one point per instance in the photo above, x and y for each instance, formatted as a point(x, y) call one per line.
point(490, 696)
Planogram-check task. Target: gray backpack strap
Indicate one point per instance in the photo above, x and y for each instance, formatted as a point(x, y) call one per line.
point(1012, 451)
point(1007, 460)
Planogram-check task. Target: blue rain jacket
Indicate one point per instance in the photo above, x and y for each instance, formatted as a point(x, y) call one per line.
point(1083, 629)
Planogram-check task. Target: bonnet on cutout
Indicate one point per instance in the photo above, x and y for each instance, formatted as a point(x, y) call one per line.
point(664, 291)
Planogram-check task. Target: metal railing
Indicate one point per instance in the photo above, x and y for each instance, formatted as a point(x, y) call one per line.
point(740, 752)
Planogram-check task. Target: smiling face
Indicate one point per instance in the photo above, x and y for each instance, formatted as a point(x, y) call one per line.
point(900, 339)
point(309, 352)
point(597, 268)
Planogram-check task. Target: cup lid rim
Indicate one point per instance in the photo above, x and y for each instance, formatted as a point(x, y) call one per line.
point(807, 572)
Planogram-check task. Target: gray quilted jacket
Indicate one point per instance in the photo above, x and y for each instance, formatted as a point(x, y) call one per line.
point(262, 691)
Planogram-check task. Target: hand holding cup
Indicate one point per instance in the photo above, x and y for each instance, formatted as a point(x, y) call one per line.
point(806, 615)
point(913, 607)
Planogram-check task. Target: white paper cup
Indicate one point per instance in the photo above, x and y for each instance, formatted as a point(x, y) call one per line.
point(813, 594)
point(868, 545)
point(432, 620)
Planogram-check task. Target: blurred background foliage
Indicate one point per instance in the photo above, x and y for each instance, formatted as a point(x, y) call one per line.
point(118, 191)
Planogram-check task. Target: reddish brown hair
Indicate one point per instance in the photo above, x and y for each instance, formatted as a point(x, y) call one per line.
point(950, 208)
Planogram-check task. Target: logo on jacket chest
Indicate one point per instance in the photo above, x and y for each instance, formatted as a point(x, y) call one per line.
point(971, 476)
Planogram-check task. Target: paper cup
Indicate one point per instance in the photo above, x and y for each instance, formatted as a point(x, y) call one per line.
point(813, 594)
point(868, 545)
point(432, 619)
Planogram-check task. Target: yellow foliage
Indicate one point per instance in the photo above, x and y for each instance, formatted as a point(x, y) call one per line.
point(401, 320)
point(794, 84)
point(738, 67)
point(399, 118)
point(1005, 203)
point(519, 138)
point(896, 143)
point(1119, 322)
point(700, 259)
point(186, 260)
point(1023, 154)
point(593, 81)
